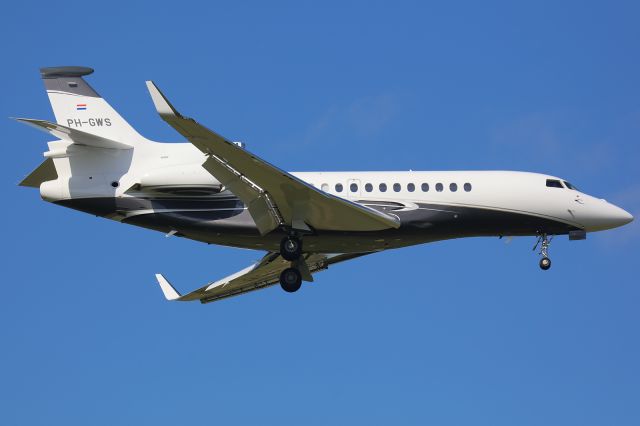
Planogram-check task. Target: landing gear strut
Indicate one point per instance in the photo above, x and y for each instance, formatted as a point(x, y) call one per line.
point(291, 248)
point(290, 280)
point(544, 241)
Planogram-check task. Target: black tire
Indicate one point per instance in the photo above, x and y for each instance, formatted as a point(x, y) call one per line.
point(291, 248)
point(545, 263)
point(290, 280)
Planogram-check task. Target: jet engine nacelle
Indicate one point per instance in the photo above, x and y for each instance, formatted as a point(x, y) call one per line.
point(54, 190)
point(181, 178)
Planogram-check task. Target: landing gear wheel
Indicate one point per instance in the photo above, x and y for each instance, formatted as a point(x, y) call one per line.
point(544, 241)
point(290, 280)
point(545, 263)
point(291, 248)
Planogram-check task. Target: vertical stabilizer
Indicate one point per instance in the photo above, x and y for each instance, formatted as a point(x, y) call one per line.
point(76, 105)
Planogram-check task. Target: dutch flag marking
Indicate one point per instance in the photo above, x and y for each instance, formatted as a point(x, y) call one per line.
point(81, 107)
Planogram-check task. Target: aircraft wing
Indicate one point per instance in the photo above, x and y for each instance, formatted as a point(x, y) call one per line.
point(261, 274)
point(273, 197)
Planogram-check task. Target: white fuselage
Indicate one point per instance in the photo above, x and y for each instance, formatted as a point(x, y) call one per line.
point(518, 192)
point(149, 170)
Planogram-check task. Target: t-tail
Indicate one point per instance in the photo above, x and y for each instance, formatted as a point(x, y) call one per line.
point(94, 146)
point(78, 106)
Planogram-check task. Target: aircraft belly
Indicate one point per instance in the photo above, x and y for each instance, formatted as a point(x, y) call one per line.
point(224, 220)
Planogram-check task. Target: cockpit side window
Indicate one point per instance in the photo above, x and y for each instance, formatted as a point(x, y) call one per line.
point(553, 183)
point(568, 185)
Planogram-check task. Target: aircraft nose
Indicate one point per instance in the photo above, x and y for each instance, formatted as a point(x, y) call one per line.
point(617, 217)
point(601, 215)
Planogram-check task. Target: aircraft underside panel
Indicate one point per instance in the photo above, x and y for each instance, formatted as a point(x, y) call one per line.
point(224, 220)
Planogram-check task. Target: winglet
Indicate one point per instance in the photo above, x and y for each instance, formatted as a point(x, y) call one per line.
point(169, 292)
point(160, 101)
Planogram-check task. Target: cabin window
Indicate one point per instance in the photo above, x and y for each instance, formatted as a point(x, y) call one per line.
point(439, 187)
point(338, 187)
point(325, 187)
point(368, 187)
point(453, 187)
point(353, 187)
point(467, 187)
point(425, 187)
point(383, 187)
point(411, 187)
point(397, 187)
point(553, 183)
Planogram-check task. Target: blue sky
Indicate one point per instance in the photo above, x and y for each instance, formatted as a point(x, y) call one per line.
point(452, 333)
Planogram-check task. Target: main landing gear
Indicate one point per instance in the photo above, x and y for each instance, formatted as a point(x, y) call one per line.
point(544, 241)
point(291, 250)
point(290, 280)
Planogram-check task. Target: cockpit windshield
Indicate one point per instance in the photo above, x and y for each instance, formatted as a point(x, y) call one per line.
point(568, 185)
point(555, 183)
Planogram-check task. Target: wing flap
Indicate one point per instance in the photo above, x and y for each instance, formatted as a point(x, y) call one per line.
point(255, 199)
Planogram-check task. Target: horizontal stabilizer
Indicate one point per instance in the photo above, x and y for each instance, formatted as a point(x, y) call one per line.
point(169, 292)
point(44, 172)
point(78, 137)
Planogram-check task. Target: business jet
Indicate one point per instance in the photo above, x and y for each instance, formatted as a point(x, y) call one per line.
point(214, 190)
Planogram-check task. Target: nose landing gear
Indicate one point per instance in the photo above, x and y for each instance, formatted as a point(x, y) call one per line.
point(544, 241)
point(545, 263)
